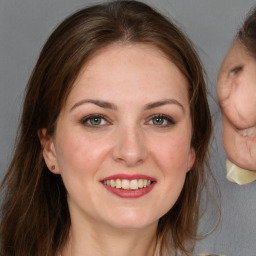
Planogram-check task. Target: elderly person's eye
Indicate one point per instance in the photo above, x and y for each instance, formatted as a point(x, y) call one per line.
point(235, 71)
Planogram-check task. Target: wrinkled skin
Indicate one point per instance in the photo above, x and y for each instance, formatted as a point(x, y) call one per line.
point(237, 98)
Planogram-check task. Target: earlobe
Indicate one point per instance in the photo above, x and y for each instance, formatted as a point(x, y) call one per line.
point(191, 159)
point(48, 150)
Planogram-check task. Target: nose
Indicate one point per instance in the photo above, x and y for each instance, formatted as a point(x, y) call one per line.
point(129, 147)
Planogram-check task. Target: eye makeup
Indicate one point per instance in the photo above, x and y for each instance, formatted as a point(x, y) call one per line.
point(94, 121)
point(161, 120)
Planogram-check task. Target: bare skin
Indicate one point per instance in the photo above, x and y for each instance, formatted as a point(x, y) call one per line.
point(237, 98)
point(127, 117)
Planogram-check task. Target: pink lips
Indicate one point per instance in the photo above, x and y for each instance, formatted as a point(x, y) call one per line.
point(123, 193)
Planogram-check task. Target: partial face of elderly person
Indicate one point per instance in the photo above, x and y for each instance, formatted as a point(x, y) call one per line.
point(237, 97)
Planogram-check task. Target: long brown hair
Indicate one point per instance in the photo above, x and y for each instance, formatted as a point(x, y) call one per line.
point(35, 216)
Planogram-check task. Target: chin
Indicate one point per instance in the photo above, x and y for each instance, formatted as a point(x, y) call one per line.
point(243, 156)
point(244, 161)
point(133, 220)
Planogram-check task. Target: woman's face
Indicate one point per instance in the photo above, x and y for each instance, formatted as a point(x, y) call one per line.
point(122, 141)
point(237, 96)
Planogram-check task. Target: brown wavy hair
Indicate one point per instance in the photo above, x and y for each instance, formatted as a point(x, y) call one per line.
point(35, 215)
point(247, 33)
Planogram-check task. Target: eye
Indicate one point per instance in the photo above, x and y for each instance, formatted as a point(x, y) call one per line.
point(161, 120)
point(94, 120)
point(235, 70)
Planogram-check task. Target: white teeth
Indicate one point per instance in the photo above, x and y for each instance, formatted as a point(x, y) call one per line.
point(118, 183)
point(112, 183)
point(140, 183)
point(249, 132)
point(127, 184)
point(134, 184)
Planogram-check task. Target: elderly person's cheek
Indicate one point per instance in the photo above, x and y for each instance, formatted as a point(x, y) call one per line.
point(238, 120)
point(237, 99)
point(244, 102)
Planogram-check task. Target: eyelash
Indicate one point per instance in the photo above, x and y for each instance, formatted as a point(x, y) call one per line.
point(165, 118)
point(90, 118)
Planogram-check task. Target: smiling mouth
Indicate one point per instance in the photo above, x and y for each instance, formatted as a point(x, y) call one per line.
point(126, 184)
point(249, 132)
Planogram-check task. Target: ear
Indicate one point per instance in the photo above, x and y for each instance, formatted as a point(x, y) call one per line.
point(49, 152)
point(191, 159)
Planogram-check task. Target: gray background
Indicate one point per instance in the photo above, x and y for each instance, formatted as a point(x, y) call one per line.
point(211, 25)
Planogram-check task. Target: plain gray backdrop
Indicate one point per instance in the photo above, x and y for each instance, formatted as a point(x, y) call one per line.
point(211, 24)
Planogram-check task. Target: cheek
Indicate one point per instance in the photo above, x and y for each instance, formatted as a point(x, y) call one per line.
point(171, 158)
point(79, 159)
point(79, 154)
point(172, 153)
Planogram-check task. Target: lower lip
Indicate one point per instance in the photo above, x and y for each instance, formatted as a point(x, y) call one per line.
point(247, 138)
point(130, 193)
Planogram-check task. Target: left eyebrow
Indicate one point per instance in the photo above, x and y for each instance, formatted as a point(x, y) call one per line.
point(100, 103)
point(162, 103)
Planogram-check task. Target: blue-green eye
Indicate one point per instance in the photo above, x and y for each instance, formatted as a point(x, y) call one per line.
point(162, 120)
point(94, 120)
point(158, 120)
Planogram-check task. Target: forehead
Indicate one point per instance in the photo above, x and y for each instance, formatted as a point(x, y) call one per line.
point(124, 53)
point(237, 55)
point(120, 66)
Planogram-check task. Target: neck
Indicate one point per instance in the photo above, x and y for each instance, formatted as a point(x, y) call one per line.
point(99, 240)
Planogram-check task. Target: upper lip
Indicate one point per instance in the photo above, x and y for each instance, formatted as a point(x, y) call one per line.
point(129, 177)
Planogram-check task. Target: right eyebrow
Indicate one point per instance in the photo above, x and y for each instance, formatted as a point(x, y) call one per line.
point(164, 102)
point(100, 103)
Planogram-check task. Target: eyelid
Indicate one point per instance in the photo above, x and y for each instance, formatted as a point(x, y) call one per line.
point(168, 118)
point(235, 70)
point(91, 116)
